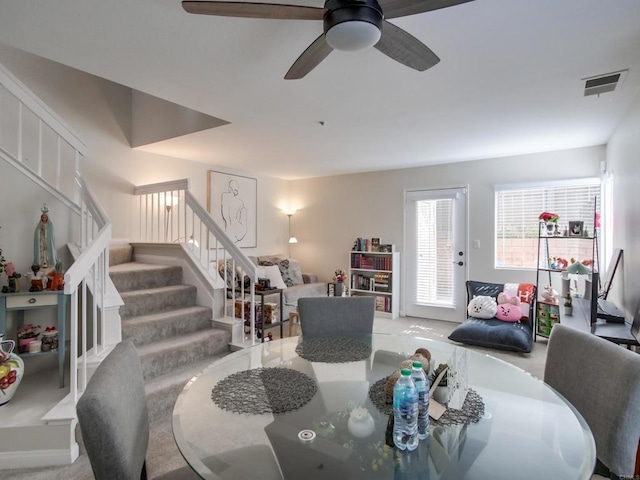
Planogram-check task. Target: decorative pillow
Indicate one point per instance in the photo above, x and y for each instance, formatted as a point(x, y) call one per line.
point(524, 291)
point(291, 272)
point(482, 306)
point(508, 308)
point(233, 277)
point(272, 272)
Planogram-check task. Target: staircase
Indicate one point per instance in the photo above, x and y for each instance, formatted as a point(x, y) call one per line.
point(173, 335)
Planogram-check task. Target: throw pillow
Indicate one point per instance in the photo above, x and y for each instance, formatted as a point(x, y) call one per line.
point(272, 272)
point(508, 308)
point(291, 272)
point(482, 306)
point(524, 291)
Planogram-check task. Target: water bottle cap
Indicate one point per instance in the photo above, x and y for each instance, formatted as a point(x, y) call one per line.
point(406, 372)
point(417, 364)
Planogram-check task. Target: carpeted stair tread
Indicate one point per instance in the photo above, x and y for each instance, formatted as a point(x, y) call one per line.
point(159, 326)
point(121, 253)
point(135, 276)
point(163, 391)
point(159, 299)
point(159, 357)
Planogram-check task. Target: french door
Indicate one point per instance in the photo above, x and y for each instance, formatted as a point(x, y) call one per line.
point(435, 253)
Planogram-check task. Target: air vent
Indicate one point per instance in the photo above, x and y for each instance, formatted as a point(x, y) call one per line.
point(603, 83)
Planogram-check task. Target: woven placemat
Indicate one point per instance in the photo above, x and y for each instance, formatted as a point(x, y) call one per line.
point(471, 412)
point(264, 390)
point(333, 350)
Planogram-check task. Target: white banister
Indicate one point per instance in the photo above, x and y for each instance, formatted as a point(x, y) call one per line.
point(170, 213)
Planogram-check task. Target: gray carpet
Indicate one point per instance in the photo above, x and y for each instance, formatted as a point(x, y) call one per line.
point(164, 459)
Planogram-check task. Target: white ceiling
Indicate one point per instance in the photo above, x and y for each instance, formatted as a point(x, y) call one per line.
point(509, 80)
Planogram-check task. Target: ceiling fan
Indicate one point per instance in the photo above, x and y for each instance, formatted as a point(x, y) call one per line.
point(349, 25)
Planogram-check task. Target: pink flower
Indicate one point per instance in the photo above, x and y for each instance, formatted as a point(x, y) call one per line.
point(10, 269)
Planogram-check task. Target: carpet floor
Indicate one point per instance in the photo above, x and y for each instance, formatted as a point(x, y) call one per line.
point(164, 460)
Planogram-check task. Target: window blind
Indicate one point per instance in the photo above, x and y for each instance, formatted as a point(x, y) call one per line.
point(434, 256)
point(517, 211)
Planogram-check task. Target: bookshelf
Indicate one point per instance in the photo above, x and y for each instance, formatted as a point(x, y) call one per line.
point(376, 274)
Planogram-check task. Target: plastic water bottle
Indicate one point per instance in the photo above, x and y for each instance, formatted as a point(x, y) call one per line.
point(422, 386)
point(405, 412)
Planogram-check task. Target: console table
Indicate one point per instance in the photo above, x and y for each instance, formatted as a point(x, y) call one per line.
point(22, 301)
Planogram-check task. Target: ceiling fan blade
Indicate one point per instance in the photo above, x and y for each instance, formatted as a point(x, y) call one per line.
point(310, 58)
point(254, 10)
point(405, 48)
point(402, 8)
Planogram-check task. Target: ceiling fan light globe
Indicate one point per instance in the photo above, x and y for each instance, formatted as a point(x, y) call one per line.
point(353, 36)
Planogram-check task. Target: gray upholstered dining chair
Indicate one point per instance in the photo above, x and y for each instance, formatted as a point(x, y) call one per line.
point(602, 381)
point(113, 418)
point(336, 315)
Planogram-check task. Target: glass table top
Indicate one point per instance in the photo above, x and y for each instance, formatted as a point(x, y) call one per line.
point(527, 430)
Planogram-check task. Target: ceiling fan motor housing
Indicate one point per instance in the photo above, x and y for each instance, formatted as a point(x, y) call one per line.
point(352, 21)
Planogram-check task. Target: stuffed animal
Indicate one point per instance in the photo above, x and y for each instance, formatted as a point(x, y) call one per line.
point(508, 308)
point(482, 306)
point(550, 295)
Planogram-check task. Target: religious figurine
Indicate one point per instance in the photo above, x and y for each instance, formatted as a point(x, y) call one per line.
point(44, 250)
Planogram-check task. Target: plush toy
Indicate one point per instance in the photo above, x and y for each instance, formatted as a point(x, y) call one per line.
point(508, 308)
point(482, 306)
point(550, 295)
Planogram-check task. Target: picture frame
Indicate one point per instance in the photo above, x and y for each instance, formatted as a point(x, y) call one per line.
point(576, 229)
point(232, 201)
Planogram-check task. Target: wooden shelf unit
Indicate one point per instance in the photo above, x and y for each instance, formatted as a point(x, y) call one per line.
point(376, 274)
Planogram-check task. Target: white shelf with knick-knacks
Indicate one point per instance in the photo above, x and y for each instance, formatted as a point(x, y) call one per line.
point(377, 274)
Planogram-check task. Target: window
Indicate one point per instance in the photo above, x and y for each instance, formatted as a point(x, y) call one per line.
point(518, 208)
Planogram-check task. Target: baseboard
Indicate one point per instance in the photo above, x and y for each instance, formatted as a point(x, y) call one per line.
point(39, 458)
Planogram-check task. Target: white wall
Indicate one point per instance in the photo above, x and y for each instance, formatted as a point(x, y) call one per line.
point(333, 211)
point(623, 162)
point(98, 111)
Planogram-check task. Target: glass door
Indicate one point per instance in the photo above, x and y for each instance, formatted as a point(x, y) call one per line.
point(436, 259)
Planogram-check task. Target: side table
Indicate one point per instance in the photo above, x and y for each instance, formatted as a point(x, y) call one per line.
point(265, 293)
point(21, 301)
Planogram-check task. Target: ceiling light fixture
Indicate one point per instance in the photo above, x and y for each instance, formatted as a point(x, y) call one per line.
point(352, 26)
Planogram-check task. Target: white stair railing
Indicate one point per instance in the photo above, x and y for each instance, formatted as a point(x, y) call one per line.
point(39, 141)
point(34, 140)
point(169, 213)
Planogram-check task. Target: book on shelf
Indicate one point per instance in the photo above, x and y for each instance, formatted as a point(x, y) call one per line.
point(383, 304)
point(372, 245)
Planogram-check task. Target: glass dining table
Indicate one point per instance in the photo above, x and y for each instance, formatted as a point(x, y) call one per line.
point(283, 410)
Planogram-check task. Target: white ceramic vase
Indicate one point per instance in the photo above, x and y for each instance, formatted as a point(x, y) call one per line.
point(360, 423)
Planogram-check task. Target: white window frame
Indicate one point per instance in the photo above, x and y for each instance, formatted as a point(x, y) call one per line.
point(591, 181)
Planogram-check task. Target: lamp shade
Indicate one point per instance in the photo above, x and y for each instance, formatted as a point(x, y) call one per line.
point(353, 35)
point(577, 268)
point(293, 240)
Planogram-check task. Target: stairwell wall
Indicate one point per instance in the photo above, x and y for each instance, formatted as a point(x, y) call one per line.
point(99, 111)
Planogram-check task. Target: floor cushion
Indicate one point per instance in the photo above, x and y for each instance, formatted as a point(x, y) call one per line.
point(494, 333)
